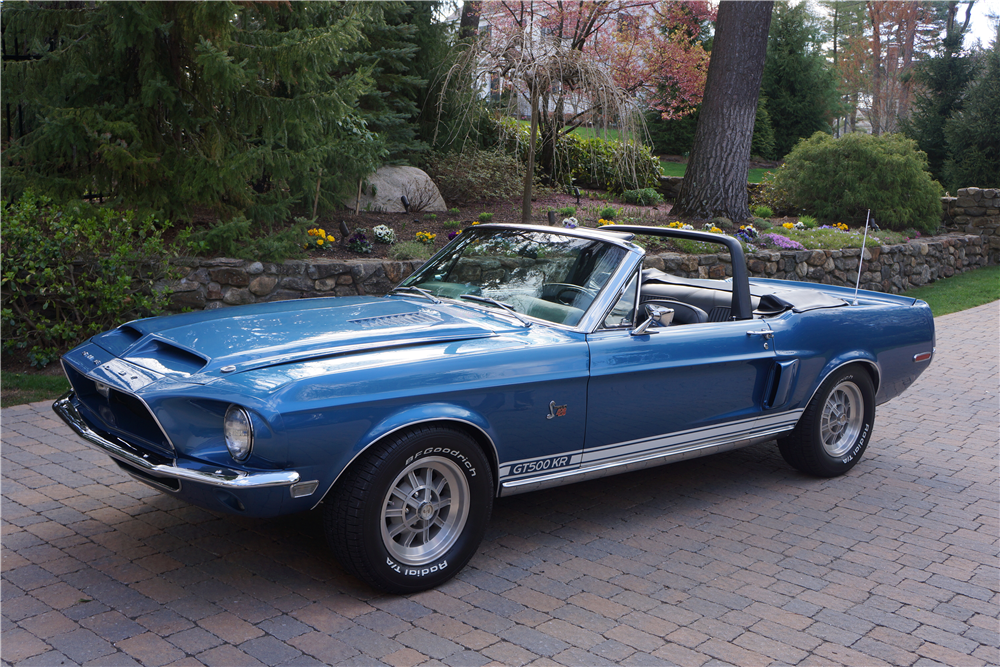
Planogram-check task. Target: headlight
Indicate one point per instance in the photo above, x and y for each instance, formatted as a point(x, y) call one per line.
point(239, 432)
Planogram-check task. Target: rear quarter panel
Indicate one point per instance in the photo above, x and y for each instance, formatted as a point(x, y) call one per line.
point(884, 330)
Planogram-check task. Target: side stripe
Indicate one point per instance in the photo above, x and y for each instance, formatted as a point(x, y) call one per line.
point(645, 448)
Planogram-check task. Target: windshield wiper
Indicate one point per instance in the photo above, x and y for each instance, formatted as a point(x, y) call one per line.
point(418, 290)
point(506, 306)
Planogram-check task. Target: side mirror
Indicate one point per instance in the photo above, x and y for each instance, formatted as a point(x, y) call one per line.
point(659, 315)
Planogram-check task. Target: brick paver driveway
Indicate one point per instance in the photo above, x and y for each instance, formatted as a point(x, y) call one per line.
point(729, 559)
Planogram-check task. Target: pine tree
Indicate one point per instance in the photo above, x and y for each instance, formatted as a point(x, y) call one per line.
point(170, 106)
point(799, 87)
point(390, 52)
point(945, 78)
point(973, 133)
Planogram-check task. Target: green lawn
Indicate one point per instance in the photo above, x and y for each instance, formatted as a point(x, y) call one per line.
point(672, 168)
point(960, 292)
point(611, 134)
point(677, 169)
point(19, 388)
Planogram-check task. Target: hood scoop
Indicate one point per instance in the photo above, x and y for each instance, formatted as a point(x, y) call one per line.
point(163, 357)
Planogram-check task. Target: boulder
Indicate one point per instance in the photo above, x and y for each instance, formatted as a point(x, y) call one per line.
point(387, 185)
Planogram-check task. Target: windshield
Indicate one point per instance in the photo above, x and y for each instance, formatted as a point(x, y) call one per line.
point(546, 275)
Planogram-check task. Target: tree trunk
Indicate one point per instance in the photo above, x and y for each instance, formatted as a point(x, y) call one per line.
point(529, 175)
point(468, 26)
point(875, 117)
point(715, 183)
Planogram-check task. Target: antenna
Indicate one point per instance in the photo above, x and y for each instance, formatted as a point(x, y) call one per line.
point(861, 259)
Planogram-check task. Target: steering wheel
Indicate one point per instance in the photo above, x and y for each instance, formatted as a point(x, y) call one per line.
point(560, 290)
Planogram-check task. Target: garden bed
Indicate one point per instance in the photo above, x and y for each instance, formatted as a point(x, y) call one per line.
point(591, 211)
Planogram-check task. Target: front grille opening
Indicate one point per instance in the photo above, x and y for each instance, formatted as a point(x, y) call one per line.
point(119, 414)
point(82, 385)
point(131, 403)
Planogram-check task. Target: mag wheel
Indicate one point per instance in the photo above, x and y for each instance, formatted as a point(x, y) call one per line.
point(833, 432)
point(413, 511)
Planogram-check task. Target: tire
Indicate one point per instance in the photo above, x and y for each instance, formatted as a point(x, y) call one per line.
point(411, 513)
point(834, 430)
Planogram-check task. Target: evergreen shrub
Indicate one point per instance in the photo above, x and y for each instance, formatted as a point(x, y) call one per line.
point(234, 238)
point(771, 196)
point(840, 179)
point(642, 197)
point(166, 106)
point(69, 273)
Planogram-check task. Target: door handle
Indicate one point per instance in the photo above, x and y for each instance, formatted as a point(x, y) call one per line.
point(766, 333)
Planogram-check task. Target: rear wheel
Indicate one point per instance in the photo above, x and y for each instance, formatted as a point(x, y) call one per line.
point(412, 512)
point(833, 432)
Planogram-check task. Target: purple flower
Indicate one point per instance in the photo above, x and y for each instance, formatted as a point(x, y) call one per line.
point(779, 241)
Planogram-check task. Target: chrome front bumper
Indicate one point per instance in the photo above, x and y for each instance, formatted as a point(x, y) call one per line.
point(227, 479)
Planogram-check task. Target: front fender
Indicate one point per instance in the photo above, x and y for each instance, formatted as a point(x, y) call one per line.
point(431, 412)
point(413, 415)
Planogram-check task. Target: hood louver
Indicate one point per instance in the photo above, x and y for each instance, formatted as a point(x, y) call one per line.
point(400, 320)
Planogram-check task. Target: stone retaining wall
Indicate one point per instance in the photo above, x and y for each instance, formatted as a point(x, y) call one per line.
point(975, 211)
point(215, 283)
point(890, 269)
point(218, 282)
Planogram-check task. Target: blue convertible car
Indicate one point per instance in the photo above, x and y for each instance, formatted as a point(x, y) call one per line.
point(518, 358)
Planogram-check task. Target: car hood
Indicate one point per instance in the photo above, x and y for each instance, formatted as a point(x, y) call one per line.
point(247, 338)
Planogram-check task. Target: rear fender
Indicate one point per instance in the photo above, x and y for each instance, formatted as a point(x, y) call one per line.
point(862, 357)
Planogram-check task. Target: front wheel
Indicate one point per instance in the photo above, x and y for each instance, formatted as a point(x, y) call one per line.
point(835, 428)
point(413, 511)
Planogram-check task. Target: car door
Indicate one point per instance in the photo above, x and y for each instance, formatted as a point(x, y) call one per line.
point(684, 387)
